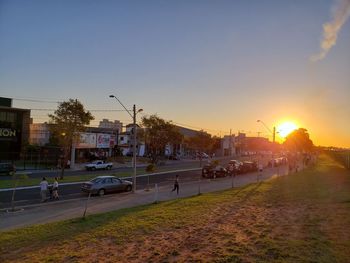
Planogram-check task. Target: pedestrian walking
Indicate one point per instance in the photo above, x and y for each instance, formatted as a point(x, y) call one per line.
point(43, 189)
point(55, 189)
point(176, 184)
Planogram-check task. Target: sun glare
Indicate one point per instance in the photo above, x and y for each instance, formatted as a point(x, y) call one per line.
point(286, 128)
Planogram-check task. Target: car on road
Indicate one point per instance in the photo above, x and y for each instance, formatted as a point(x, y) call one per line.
point(7, 168)
point(248, 166)
point(213, 171)
point(174, 157)
point(234, 166)
point(102, 185)
point(98, 165)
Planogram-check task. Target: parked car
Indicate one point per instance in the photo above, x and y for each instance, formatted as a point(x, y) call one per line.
point(174, 157)
point(102, 185)
point(234, 166)
point(213, 171)
point(248, 166)
point(98, 165)
point(7, 168)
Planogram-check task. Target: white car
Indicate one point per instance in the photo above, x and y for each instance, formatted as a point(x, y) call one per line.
point(98, 165)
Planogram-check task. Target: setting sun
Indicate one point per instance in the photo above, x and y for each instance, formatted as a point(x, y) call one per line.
point(286, 128)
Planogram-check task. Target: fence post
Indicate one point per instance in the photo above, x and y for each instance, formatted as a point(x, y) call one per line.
point(156, 193)
point(86, 204)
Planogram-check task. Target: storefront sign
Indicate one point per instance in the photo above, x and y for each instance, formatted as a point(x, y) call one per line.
point(8, 134)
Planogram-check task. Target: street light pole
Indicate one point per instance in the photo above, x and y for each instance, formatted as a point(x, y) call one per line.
point(133, 116)
point(134, 150)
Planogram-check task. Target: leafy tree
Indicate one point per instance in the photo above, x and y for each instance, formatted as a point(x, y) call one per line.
point(157, 134)
point(201, 142)
point(299, 140)
point(68, 120)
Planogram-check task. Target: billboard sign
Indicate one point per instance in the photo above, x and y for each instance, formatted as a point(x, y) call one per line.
point(103, 140)
point(87, 140)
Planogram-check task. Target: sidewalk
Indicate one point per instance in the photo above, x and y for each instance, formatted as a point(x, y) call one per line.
point(61, 210)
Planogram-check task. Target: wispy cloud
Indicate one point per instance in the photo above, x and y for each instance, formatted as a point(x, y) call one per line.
point(341, 12)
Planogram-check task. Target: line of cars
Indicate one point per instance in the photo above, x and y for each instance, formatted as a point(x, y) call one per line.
point(234, 167)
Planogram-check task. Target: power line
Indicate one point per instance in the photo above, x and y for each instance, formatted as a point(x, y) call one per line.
point(99, 110)
point(34, 100)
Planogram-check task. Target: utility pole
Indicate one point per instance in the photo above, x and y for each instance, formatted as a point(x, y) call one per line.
point(274, 134)
point(133, 116)
point(134, 150)
point(230, 151)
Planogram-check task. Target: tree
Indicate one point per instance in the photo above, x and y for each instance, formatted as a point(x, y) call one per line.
point(158, 133)
point(201, 142)
point(68, 121)
point(298, 140)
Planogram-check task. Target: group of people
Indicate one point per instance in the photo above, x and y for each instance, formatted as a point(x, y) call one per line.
point(52, 189)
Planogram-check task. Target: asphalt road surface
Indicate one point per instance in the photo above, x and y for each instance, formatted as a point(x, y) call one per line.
point(71, 191)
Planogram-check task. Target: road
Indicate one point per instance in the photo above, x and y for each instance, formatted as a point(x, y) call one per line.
point(71, 191)
point(82, 171)
point(65, 209)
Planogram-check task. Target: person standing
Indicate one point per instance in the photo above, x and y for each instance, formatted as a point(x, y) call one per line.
point(55, 189)
point(43, 189)
point(176, 184)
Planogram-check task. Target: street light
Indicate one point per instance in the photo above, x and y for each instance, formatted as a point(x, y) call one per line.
point(272, 132)
point(133, 116)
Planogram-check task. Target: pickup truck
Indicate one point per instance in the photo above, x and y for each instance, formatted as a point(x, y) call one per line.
point(98, 165)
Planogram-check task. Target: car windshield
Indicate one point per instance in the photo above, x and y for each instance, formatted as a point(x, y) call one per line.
point(96, 180)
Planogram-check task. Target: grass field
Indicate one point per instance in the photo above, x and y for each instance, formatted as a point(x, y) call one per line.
point(303, 217)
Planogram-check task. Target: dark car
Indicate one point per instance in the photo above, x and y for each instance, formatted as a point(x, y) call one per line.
point(7, 168)
point(234, 167)
point(212, 171)
point(102, 185)
point(174, 157)
point(248, 167)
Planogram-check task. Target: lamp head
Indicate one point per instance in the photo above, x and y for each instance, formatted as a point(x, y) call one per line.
point(111, 96)
point(139, 110)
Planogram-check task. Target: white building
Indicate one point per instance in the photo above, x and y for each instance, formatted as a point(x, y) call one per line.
point(116, 125)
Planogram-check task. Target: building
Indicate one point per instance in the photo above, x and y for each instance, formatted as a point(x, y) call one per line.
point(95, 143)
point(39, 134)
point(116, 125)
point(228, 145)
point(14, 130)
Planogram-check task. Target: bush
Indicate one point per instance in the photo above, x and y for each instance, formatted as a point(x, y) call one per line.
point(150, 168)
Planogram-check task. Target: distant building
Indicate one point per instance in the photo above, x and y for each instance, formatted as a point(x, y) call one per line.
point(228, 145)
point(116, 125)
point(14, 130)
point(39, 134)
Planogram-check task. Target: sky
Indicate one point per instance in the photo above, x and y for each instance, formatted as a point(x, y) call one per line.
point(213, 65)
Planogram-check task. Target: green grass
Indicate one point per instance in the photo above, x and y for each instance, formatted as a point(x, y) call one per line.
point(303, 217)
